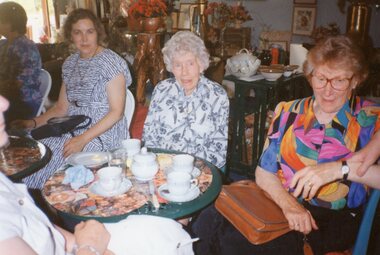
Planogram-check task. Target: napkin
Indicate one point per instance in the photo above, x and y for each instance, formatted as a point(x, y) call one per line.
point(149, 235)
point(78, 176)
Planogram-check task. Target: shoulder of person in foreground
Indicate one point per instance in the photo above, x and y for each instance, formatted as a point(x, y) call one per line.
point(145, 234)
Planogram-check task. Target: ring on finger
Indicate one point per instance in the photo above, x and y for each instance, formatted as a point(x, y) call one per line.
point(309, 184)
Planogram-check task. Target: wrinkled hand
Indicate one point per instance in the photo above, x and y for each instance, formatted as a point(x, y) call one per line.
point(367, 157)
point(73, 145)
point(308, 180)
point(299, 218)
point(92, 233)
point(22, 124)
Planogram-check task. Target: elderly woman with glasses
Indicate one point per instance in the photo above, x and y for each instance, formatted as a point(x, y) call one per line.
point(307, 166)
point(188, 112)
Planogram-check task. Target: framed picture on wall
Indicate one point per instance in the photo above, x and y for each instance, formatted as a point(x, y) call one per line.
point(303, 19)
point(305, 1)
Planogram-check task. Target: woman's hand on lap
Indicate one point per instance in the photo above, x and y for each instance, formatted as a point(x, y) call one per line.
point(299, 218)
point(73, 145)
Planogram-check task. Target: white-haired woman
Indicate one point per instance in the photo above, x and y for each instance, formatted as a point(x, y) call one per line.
point(189, 112)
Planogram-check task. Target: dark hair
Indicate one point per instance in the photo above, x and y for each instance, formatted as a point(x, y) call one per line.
point(340, 51)
point(14, 14)
point(79, 14)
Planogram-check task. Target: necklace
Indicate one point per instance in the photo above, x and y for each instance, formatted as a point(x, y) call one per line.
point(78, 68)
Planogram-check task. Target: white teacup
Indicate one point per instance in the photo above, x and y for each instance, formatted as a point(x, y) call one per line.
point(132, 146)
point(110, 178)
point(179, 183)
point(183, 163)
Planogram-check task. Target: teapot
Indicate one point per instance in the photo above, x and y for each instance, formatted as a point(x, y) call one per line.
point(144, 165)
point(243, 64)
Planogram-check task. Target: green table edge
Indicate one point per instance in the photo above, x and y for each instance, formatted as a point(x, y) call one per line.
point(35, 166)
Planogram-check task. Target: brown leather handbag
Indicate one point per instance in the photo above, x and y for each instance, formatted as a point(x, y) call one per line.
point(252, 211)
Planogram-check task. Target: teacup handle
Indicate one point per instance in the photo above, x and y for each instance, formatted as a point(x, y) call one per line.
point(194, 181)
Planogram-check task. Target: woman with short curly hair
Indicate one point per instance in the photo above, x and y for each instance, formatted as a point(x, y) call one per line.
point(188, 112)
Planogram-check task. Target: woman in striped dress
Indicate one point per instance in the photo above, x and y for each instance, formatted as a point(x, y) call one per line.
point(94, 84)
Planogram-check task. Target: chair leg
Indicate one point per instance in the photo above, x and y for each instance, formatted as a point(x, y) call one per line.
point(361, 244)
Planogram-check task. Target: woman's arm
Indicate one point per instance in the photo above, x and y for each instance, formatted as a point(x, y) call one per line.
point(368, 155)
point(116, 100)
point(298, 217)
point(308, 180)
point(58, 110)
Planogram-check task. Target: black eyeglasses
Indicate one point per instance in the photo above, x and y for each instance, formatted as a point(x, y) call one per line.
point(340, 84)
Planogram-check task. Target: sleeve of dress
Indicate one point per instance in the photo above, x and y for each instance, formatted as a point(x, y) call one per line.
point(269, 157)
point(113, 65)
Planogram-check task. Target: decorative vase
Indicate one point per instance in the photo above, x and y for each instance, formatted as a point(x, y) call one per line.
point(265, 57)
point(134, 24)
point(151, 25)
point(358, 19)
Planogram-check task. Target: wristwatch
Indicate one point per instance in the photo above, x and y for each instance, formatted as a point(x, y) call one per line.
point(345, 170)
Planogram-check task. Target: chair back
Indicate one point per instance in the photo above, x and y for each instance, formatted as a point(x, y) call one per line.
point(45, 86)
point(362, 239)
point(129, 107)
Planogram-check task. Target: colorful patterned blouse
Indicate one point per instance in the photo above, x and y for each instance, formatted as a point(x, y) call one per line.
point(21, 61)
point(195, 124)
point(296, 139)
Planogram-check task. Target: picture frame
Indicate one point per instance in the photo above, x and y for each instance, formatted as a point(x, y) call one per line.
point(282, 44)
point(186, 11)
point(303, 19)
point(305, 1)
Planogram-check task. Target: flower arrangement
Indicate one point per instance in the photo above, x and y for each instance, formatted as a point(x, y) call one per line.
point(222, 14)
point(147, 8)
point(238, 12)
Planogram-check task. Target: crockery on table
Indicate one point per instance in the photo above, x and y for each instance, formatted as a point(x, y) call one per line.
point(183, 162)
point(179, 183)
point(144, 165)
point(110, 178)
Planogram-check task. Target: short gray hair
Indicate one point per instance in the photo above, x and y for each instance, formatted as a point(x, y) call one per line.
point(189, 42)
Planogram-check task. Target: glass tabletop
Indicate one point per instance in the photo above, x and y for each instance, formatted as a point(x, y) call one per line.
point(135, 201)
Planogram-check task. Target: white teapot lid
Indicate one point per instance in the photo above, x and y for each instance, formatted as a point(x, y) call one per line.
point(144, 156)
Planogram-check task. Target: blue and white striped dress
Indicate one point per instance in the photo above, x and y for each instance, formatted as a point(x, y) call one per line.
point(86, 81)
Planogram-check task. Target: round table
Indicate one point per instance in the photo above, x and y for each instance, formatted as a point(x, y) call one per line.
point(111, 209)
point(23, 157)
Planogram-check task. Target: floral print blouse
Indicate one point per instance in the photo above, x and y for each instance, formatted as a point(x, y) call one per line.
point(196, 124)
point(296, 139)
point(21, 61)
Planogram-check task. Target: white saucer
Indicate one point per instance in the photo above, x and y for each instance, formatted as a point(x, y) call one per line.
point(97, 189)
point(192, 194)
point(88, 159)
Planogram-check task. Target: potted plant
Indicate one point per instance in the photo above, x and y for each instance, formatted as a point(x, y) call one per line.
point(239, 15)
point(150, 12)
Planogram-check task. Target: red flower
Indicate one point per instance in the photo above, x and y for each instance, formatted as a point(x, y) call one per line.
point(147, 8)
